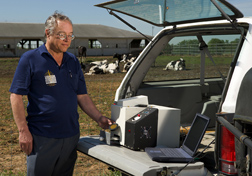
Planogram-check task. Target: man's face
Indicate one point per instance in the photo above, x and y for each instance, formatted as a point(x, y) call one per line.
point(56, 41)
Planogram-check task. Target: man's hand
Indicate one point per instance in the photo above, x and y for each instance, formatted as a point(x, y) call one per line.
point(26, 141)
point(104, 122)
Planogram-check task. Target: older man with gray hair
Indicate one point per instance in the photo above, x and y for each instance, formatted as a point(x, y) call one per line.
point(52, 80)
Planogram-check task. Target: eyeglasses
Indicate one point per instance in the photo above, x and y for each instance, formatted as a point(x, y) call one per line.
point(63, 36)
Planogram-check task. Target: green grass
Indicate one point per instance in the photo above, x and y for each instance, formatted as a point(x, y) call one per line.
point(193, 59)
point(156, 73)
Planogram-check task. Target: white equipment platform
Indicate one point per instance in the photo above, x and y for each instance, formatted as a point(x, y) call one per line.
point(135, 163)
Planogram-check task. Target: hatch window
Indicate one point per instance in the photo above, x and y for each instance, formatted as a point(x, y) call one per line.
point(181, 58)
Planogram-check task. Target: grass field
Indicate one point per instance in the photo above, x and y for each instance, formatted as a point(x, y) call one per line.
point(12, 160)
point(101, 89)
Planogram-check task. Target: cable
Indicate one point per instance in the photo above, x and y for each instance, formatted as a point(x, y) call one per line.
point(193, 158)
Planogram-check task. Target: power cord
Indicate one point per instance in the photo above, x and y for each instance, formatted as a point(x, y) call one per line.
point(193, 158)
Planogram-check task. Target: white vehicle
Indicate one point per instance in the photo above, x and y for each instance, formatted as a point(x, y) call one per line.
point(210, 80)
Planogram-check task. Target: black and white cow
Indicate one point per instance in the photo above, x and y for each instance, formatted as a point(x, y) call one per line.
point(118, 56)
point(128, 63)
point(93, 67)
point(101, 67)
point(176, 65)
point(128, 60)
point(100, 62)
point(86, 67)
point(111, 67)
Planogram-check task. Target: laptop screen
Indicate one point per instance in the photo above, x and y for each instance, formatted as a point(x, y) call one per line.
point(195, 134)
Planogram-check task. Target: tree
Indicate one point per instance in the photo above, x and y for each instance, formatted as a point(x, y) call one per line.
point(215, 41)
point(189, 42)
point(235, 41)
point(216, 46)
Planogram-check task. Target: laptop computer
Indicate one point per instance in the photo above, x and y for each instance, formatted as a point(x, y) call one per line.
point(189, 147)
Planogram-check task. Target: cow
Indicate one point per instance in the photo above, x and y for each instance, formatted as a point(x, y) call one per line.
point(125, 58)
point(111, 67)
point(128, 63)
point(128, 60)
point(94, 69)
point(176, 65)
point(99, 62)
point(100, 67)
point(93, 66)
point(82, 51)
point(121, 58)
point(118, 56)
point(86, 67)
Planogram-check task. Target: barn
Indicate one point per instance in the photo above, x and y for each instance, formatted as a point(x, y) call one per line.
point(100, 40)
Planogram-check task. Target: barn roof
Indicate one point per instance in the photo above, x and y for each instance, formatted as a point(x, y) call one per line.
point(36, 30)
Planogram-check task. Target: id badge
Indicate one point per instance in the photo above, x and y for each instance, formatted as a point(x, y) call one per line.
point(50, 79)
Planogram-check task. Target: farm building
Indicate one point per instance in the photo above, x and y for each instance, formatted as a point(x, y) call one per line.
point(17, 38)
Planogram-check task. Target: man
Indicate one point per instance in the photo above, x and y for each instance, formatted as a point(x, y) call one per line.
point(53, 81)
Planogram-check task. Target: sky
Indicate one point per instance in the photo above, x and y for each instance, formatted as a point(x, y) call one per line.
point(82, 12)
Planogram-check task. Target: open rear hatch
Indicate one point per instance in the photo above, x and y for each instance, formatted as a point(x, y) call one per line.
point(173, 12)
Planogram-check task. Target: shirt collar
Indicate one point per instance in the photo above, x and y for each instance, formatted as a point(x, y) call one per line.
point(42, 50)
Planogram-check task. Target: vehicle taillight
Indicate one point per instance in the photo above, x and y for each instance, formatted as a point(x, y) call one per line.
point(227, 156)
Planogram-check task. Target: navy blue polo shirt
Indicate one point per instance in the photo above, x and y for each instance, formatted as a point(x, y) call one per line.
point(52, 92)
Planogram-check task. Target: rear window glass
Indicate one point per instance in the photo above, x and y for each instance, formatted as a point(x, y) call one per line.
point(169, 12)
point(181, 58)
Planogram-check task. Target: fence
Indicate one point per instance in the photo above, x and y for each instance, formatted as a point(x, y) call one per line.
point(193, 49)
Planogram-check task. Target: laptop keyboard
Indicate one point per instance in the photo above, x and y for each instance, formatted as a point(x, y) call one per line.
point(172, 152)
